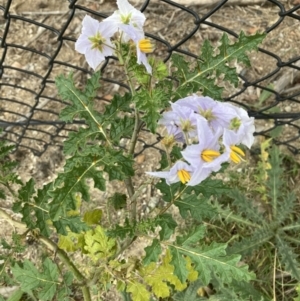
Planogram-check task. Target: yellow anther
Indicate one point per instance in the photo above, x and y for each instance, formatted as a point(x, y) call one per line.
point(209, 155)
point(146, 46)
point(183, 175)
point(236, 153)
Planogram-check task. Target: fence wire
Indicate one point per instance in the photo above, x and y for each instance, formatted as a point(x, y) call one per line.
point(37, 44)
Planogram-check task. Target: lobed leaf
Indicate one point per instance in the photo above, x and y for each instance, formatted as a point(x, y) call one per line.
point(212, 65)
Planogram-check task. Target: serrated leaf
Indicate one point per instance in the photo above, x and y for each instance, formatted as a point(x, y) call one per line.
point(117, 104)
point(208, 260)
point(193, 236)
point(92, 217)
point(209, 187)
point(74, 223)
point(152, 252)
point(198, 208)
point(248, 244)
point(122, 231)
point(168, 191)
point(85, 166)
point(191, 293)
point(288, 258)
point(167, 224)
point(212, 65)
point(151, 105)
point(179, 263)
point(26, 192)
point(138, 291)
point(98, 245)
point(82, 107)
point(77, 140)
point(118, 200)
point(158, 277)
point(28, 275)
point(30, 278)
point(121, 127)
point(49, 286)
point(71, 242)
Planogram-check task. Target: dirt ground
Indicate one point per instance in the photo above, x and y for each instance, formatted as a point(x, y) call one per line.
point(163, 20)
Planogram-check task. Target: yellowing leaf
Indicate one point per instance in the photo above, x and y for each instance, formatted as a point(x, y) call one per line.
point(92, 217)
point(98, 245)
point(71, 242)
point(193, 274)
point(138, 291)
point(158, 277)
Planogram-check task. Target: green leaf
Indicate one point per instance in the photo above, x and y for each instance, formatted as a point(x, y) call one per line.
point(122, 231)
point(30, 278)
point(207, 259)
point(169, 191)
point(179, 263)
point(34, 208)
point(197, 207)
point(78, 169)
point(209, 187)
point(49, 286)
point(82, 106)
point(167, 224)
point(77, 141)
point(288, 258)
point(117, 104)
point(121, 127)
point(212, 65)
point(152, 252)
point(41, 210)
point(193, 236)
point(248, 244)
point(74, 223)
point(191, 293)
point(26, 192)
point(15, 296)
point(151, 105)
point(118, 200)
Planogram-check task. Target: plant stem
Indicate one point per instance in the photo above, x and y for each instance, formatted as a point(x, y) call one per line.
point(133, 141)
point(61, 254)
point(71, 266)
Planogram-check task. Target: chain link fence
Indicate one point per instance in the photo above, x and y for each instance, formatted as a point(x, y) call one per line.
point(37, 44)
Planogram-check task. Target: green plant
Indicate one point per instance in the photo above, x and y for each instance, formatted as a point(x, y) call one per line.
point(64, 216)
point(266, 227)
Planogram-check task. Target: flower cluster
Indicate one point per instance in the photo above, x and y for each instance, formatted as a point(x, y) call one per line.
point(96, 43)
point(212, 131)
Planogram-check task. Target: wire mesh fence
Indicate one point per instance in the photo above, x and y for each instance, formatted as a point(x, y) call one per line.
point(37, 44)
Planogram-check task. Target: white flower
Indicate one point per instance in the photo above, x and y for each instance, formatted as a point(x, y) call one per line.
point(180, 171)
point(127, 19)
point(94, 41)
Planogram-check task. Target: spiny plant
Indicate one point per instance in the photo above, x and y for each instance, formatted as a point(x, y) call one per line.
point(265, 227)
point(201, 141)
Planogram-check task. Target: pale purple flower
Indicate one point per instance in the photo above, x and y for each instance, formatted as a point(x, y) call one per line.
point(180, 172)
point(127, 19)
point(230, 140)
point(213, 111)
point(94, 41)
point(180, 120)
point(242, 124)
point(205, 157)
